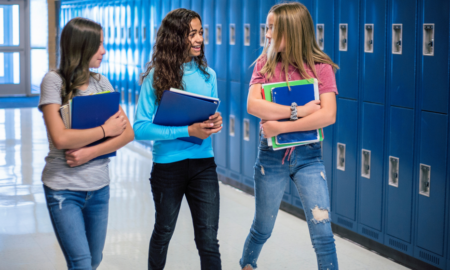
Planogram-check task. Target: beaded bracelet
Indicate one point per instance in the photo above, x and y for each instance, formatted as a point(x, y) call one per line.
point(294, 111)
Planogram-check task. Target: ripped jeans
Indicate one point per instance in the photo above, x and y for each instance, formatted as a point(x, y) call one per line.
point(79, 219)
point(197, 180)
point(306, 169)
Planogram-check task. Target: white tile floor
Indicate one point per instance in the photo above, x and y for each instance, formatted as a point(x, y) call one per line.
point(26, 235)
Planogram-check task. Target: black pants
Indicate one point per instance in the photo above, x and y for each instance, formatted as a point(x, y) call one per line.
point(197, 179)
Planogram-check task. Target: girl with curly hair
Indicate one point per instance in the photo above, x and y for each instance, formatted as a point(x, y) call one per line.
point(180, 168)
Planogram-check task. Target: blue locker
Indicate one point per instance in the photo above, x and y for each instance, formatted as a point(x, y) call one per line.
point(156, 16)
point(185, 4)
point(166, 7)
point(250, 139)
point(399, 178)
point(431, 179)
point(234, 130)
point(373, 40)
point(235, 40)
point(221, 40)
point(197, 6)
point(309, 4)
point(220, 139)
point(433, 48)
point(209, 32)
point(370, 174)
point(116, 46)
point(145, 24)
point(402, 57)
point(250, 133)
point(129, 60)
point(346, 137)
point(234, 64)
point(325, 17)
point(347, 46)
point(176, 4)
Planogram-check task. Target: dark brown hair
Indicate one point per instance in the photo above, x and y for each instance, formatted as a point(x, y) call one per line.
point(171, 51)
point(80, 40)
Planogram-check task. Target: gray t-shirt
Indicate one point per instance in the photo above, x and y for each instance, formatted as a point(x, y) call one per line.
point(57, 175)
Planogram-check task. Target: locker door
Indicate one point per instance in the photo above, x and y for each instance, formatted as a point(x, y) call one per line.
point(235, 44)
point(166, 7)
point(185, 4)
point(399, 180)
point(250, 133)
point(433, 47)
point(370, 174)
point(373, 40)
point(145, 24)
point(220, 139)
point(196, 5)
point(176, 4)
point(325, 38)
point(209, 32)
point(116, 46)
point(346, 129)
point(431, 183)
point(129, 61)
point(221, 40)
point(347, 46)
point(309, 4)
point(401, 45)
point(156, 16)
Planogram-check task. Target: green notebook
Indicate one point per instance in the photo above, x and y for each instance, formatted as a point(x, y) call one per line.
point(267, 95)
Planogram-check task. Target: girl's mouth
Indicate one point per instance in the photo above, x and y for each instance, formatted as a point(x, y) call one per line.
point(197, 48)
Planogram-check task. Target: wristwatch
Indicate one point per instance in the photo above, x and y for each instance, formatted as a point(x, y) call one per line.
point(294, 111)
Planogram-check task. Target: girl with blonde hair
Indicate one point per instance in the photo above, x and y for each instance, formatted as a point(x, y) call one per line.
point(291, 53)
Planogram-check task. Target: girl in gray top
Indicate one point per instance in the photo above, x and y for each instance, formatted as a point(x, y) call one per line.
point(76, 188)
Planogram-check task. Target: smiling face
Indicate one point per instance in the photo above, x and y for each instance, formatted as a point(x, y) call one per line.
point(195, 38)
point(96, 60)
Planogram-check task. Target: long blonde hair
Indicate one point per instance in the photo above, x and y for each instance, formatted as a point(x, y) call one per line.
point(293, 22)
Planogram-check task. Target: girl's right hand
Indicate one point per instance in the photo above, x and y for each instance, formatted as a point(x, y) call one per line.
point(308, 108)
point(115, 125)
point(202, 130)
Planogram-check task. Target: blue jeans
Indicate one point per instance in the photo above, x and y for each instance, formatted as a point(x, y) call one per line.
point(306, 169)
point(79, 219)
point(197, 179)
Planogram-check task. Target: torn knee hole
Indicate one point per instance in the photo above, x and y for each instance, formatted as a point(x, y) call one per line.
point(320, 214)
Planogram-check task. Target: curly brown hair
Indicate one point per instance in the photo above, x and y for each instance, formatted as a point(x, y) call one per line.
point(171, 50)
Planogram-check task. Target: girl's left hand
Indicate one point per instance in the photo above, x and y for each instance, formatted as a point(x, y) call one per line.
point(77, 157)
point(215, 120)
point(270, 128)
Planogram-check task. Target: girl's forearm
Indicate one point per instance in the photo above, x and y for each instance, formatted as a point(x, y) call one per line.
point(77, 138)
point(267, 110)
point(114, 143)
point(320, 119)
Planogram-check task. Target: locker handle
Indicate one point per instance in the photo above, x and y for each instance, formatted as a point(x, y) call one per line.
point(341, 157)
point(398, 43)
point(424, 179)
point(431, 43)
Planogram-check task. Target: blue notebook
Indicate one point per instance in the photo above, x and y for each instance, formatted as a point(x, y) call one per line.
point(93, 111)
point(300, 94)
point(181, 108)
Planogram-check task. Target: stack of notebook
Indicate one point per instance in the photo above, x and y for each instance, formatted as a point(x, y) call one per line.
point(84, 112)
point(301, 92)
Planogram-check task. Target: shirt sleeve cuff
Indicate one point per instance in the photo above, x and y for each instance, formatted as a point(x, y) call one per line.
point(182, 132)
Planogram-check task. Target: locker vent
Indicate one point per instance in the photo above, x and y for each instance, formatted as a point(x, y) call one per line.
point(234, 176)
point(370, 233)
point(429, 257)
point(221, 171)
point(398, 245)
point(345, 223)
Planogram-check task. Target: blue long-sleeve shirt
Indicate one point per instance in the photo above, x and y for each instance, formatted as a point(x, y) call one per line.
point(166, 147)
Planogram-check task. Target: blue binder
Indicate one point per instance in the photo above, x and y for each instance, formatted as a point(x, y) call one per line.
point(177, 109)
point(300, 94)
point(92, 111)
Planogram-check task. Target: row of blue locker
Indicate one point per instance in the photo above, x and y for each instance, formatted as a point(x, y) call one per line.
point(387, 155)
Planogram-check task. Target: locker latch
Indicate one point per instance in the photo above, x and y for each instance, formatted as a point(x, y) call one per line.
point(393, 171)
point(246, 129)
point(262, 34)
point(368, 38)
point(397, 34)
point(343, 36)
point(340, 156)
point(428, 39)
point(232, 121)
point(320, 35)
point(365, 164)
point(425, 179)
